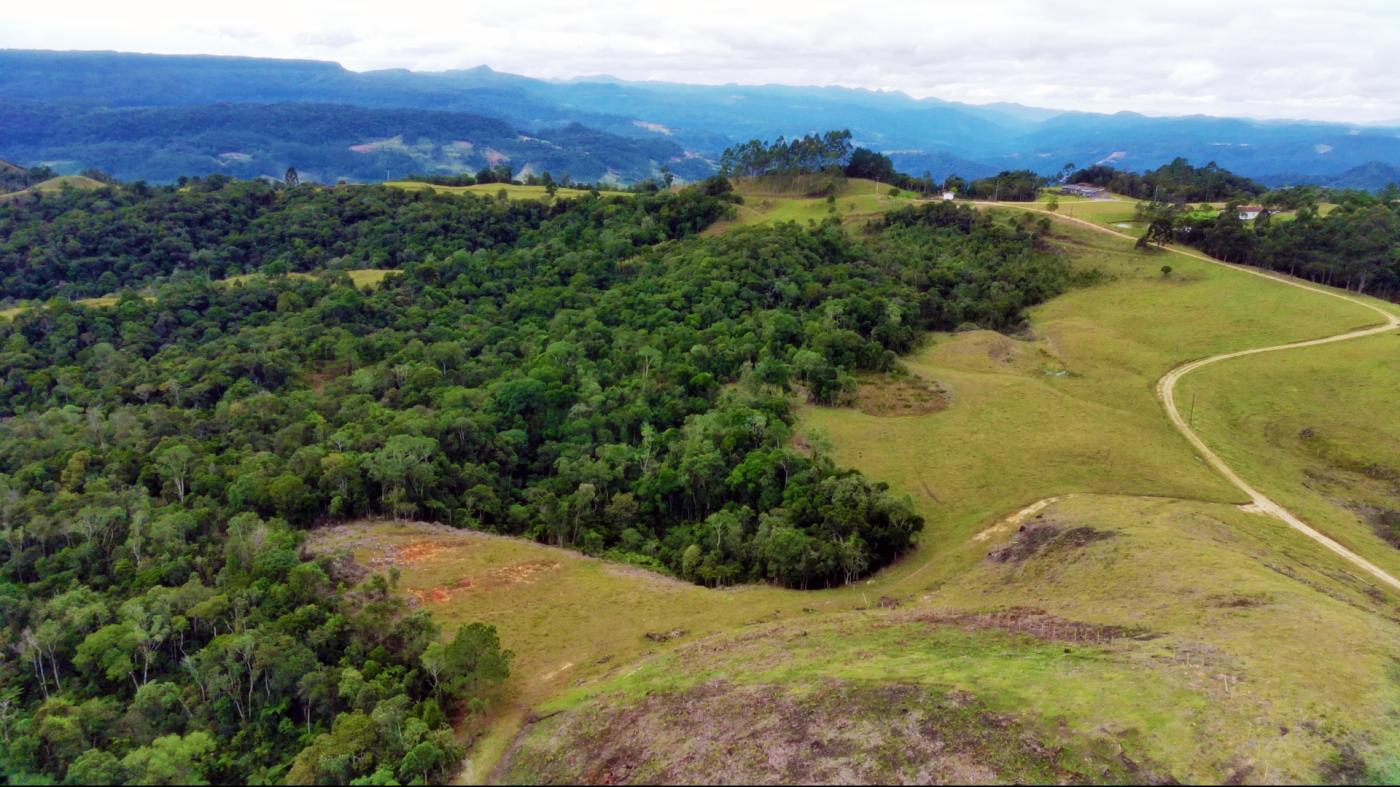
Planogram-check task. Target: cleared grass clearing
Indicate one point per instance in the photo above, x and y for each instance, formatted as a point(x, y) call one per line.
point(55, 185)
point(857, 200)
point(492, 189)
point(365, 278)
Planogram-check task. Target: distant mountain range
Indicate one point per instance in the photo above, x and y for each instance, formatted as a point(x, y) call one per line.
point(325, 142)
point(155, 116)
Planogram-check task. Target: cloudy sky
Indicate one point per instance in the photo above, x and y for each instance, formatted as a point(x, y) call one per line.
point(1337, 60)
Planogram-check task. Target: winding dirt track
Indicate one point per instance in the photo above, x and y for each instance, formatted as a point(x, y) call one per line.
point(1166, 390)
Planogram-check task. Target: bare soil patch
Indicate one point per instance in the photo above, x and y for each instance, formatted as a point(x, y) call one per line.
point(1239, 601)
point(416, 551)
point(1036, 623)
point(1043, 537)
point(902, 395)
point(317, 381)
point(492, 579)
point(836, 732)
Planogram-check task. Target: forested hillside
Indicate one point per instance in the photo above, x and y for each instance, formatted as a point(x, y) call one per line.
point(587, 372)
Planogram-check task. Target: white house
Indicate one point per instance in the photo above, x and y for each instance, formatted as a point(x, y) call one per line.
point(1250, 212)
point(949, 196)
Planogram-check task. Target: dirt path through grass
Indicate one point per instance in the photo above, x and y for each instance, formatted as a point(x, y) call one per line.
point(1166, 388)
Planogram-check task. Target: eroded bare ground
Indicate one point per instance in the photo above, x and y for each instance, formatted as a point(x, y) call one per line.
point(899, 395)
point(356, 551)
point(1032, 622)
point(838, 732)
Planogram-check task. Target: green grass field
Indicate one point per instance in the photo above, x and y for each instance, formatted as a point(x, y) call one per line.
point(365, 278)
point(1319, 432)
point(857, 201)
point(1074, 408)
point(1173, 638)
point(1230, 598)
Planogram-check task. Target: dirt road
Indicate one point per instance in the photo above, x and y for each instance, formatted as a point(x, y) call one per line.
point(1166, 389)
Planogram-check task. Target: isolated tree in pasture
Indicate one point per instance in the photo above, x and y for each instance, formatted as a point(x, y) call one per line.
point(1159, 232)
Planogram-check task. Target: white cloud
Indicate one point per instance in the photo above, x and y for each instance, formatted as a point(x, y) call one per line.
point(1295, 58)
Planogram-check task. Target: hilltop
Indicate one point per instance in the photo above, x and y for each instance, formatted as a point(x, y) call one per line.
point(56, 184)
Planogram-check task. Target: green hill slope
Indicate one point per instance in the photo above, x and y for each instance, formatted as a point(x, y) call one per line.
point(1161, 634)
point(55, 185)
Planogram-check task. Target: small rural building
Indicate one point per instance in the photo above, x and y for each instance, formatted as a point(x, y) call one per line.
point(949, 196)
point(1084, 190)
point(1250, 212)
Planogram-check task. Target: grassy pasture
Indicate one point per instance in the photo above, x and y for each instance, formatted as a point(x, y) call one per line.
point(1074, 409)
point(1110, 213)
point(1200, 676)
point(1318, 430)
point(857, 200)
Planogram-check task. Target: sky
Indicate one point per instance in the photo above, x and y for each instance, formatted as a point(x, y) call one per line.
point(1335, 61)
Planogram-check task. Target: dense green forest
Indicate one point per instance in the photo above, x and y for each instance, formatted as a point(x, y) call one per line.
point(1177, 182)
point(588, 372)
point(85, 243)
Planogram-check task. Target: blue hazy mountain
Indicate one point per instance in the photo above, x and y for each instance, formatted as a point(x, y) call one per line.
point(679, 125)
